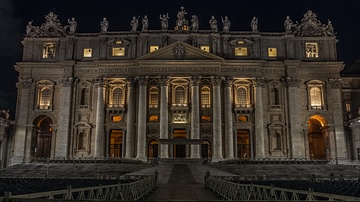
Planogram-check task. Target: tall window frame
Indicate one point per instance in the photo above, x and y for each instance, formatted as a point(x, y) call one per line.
point(153, 97)
point(316, 97)
point(45, 94)
point(117, 97)
point(205, 97)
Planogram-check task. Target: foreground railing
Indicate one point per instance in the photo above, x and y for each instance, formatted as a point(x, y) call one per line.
point(124, 192)
point(234, 191)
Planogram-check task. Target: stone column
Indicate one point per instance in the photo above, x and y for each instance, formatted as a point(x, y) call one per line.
point(252, 146)
point(355, 131)
point(306, 142)
point(62, 147)
point(164, 115)
point(229, 141)
point(130, 119)
point(142, 109)
point(100, 84)
point(24, 86)
point(340, 143)
point(235, 143)
point(195, 116)
point(295, 130)
point(217, 131)
point(259, 84)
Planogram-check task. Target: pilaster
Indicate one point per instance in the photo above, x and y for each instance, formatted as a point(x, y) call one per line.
point(217, 130)
point(259, 84)
point(164, 115)
point(195, 115)
point(130, 119)
point(100, 84)
point(229, 137)
point(141, 138)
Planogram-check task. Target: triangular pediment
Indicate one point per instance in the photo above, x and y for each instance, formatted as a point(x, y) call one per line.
point(180, 51)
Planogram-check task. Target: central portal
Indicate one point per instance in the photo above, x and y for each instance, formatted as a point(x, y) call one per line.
point(179, 149)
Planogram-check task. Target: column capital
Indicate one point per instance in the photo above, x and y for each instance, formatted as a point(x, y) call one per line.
point(195, 80)
point(291, 81)
point(216, 80)
point(164, 80)
point(142, 81)
point(100, 81)
point(131, 81)
point(259, 81)
point(336, 83)
point(25, 83)
point(228, 81)
point(68, 81)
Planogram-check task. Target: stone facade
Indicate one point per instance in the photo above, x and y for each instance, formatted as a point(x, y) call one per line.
point(6, 138)
point(180, 93)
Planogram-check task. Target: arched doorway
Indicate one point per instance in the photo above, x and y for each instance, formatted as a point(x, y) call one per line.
point(179, 148)
point(116, 142)
point(41, 137)
point(205, 149)
point(319, 141)
point(153, 149)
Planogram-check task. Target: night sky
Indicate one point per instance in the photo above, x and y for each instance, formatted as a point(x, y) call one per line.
point(15, 14)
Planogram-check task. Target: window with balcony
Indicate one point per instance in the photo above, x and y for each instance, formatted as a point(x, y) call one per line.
point(179, 95)
point(316, 95)
point(45, 98)
point(241, 97)
point(117, 97)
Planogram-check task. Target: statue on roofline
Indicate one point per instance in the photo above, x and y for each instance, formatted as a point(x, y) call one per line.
point(104, 25)
point(164, 21)
point(213, 24)
point(145, 24)
point(134, 23)
point(194, 23)
point(226, 24)
point(254, 24)
point(71, 28)
point(181, 21)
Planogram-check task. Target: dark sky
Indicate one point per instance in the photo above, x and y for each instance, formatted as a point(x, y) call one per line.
point(15, 14)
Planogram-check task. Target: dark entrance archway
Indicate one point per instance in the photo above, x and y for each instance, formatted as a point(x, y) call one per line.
point(153, 149)
point(179, 149)
point(318, 136)
point(205, 149)
point(41, 137)
point(243, 144)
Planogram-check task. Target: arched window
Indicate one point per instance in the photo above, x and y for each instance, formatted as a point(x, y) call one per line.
point(154, 98)
point(180, 95)
point(117, 96)
point(316, 94)
point(85, 95)
point(205, 97)
point(241, 96)
point(45, 98)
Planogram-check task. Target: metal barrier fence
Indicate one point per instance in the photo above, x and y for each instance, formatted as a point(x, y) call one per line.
point(121, 192)
point(235, 191)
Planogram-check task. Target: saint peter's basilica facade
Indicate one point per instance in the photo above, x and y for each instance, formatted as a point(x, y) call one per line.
point(180, 93)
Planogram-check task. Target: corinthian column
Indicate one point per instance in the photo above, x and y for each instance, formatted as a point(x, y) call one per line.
point(141, 140)
point(164, 115)
point(195, 116)
point(130, 119)
point(64, 130)
point(100, 84)
point(217, 131)
point(229, 137)
point(340, 142)
point(259, 83)
point(24, 86)
point(296, 142)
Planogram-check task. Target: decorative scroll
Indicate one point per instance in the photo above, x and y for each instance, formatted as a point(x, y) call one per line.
point(25, 83)
point(52, 27)
point(228, 81)
point(100, 81)
point(336, 83)
point(131, 81)
point(216, 80)
point(292, 81)
point(259, 82)
point(142, 81)
point(179, 51)
point(164, 80)
point(68, 81)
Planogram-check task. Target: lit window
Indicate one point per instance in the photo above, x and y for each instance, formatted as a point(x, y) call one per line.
point(205, 48)
point(153, 118)
point(205, 118)
point(241, 96)
point(118, 42)
point(49, 50)
point(117, 97)
point(205, 97)
point(118, 51)
point(315, 97)
point(45, 98)
point(348, 106)
point(87, 52)
point(241, 42)
point(116, 118)
point(154, 48)
point(241, 51)
point(243, 119)
point(272, 52)
point(154, 98)
point(312, 50)
point(179, 95)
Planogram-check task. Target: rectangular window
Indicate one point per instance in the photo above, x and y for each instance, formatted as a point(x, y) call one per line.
point(49, 50)
point(118, 52)
point(116, 118)
point(243, 118)
point(205, 48)
point(272, 52)
point(87, 53)
point(311, 50)
point(154, 48)
point(241, 51)
point(206, 118)
point(154, 118)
